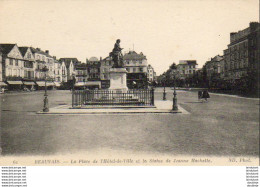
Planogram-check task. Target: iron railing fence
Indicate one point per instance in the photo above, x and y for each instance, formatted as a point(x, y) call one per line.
point(140, 97)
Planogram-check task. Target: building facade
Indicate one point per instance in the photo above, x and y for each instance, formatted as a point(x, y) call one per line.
point(105, 66)
point(63, 71)
point(12, 65)
point(57, 72)
point(29, 63)
point(93, 67)
point(70, 67)
point(81, 73)
point(242, 54)
point(136, 66)
point(150, 73)
point(186, 68)
point(215, 66)
point(43, 59)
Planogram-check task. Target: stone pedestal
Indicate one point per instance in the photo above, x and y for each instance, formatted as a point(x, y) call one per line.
point(118, 80)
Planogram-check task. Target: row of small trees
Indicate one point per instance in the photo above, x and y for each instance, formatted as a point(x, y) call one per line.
point(246, 85)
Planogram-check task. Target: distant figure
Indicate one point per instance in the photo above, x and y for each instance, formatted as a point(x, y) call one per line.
point(199, 95)
point(205, 95)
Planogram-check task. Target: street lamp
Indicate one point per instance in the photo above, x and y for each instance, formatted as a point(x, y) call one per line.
point(174, 100)
point(164, 93)
point(84, 83)
point(45, 101)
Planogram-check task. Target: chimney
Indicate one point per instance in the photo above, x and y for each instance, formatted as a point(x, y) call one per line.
point(47, 51)
point(100, 58)
point(38, 49)
point(54, 57)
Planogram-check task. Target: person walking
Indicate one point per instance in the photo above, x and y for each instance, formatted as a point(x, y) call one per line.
point(205, 95)
point(199, 95)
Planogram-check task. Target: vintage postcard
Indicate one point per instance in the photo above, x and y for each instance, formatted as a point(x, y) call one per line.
point(132, 83)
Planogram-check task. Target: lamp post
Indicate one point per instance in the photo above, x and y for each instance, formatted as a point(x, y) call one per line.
point(45, 101)
point(164, 93)
point(174, 103)
point(84, 83)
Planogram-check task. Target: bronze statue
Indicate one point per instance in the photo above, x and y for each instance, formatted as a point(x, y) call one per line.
point(117, 56)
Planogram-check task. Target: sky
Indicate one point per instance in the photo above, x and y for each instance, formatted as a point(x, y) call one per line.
point(166, 31)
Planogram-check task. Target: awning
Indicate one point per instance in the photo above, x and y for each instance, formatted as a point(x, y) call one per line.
point(50, 84)
point(28, 83)
point(14, 82)
point(57, 84)
point(89, 83)
point(40, 83)
point(3, 84)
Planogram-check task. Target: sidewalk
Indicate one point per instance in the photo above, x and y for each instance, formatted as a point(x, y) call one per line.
point(160, 107)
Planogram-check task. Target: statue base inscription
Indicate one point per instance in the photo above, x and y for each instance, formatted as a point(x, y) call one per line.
point(118, 80)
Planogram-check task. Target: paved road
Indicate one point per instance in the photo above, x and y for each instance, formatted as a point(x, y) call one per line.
point(224, 126)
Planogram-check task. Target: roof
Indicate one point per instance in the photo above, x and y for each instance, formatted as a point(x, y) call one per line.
point(93, 59)
point(81, 66)
point(39, 51)
point(217, 58)
point(6, 48)
point(23, 50)
point(107, 58)
point(68, 60)
point(132, 55)
point(187, 62)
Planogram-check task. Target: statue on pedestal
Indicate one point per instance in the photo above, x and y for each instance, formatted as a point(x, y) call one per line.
point(117, 56)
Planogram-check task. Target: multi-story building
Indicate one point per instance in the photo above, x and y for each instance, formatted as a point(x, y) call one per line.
point(150, 73)
point(136, 66)
point(243, 52)
point(70, 66)
point(186, 68)
point(12, 65)
point(63, 71)
point(29, 67)
point(214, 67)
point(93, 66)
point(81, 72)
point(105, 66)
point(57, 72)
point(43, 59)
point(93, 69)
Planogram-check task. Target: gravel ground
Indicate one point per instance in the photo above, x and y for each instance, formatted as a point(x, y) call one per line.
point(224, 126)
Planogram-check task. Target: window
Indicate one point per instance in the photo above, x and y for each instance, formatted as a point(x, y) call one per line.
point(11, 62)
point(134, 69)
point(141, 69)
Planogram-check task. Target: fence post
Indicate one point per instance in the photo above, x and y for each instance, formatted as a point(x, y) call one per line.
point(152, 98)
point(72, 98)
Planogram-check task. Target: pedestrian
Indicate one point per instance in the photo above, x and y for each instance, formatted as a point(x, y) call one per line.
point(199, 95)
point(205, 95)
